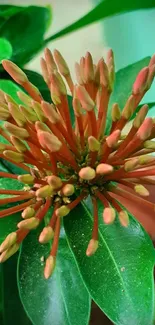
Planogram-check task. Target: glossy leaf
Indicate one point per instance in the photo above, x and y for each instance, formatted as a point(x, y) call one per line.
point(124, 80)
point(25, 31)
point(104, 9)
point(12, 309)
point(5, 49)
point(9, 223)
point(119, 276)
point(63, 299)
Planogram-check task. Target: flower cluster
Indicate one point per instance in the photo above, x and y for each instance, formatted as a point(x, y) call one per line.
point(63, 163)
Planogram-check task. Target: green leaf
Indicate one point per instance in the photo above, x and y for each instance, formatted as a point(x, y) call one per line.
point(63, 299)
point(105, 9)
point(124, 80)
point(9, 223)
point(12, 311)
point(119, 276)
point(25, 31)
point(5, 49)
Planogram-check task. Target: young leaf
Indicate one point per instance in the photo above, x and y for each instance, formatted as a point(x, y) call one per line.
point(63, 299)
point(119, 276)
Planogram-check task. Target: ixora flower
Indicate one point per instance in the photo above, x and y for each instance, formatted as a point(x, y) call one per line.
point(63, 163)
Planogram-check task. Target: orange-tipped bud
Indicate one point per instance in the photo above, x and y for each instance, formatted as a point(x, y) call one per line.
point(38, 110)
point(123, 218)
point(145, 129)
point(16, 114)
point(61, 63)
point(28, 212)
point(28, 113)
point(8, 242)
point(92, 247)
point(29, 224)
point(87, 173)
point(68, 190)
point(44, 191)
point(50, 112)
point(46, 235)
point(93, 143)
point(149, 144)
point(104, 74)
point(51, 65)
point(15, 72)
point(62, 211)
point(50, 141)
point(78, 74)
point(26, 179)
point(84, 98)
point(77, 107)
point(109, 215)
point(49, 267)
point(88, 68)
point(151, 76)
point(113, 138)
point(141, 81)
point(104, 169)
point(44, 70)
point(2, 97)
point(24, 98)
point(4, 114)
point(54, 181)
point(58, 84)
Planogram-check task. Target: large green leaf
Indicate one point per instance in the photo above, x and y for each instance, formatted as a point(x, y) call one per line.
point(9, 223)
point(12, 311)
point(25, 31)
point(105, 9)
point(124, 80)
point(63, 299)
point(119, 276)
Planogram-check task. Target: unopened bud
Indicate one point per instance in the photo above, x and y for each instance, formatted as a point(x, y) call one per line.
point(151, 76)
point(8, 253)
point(84, 98)
point(26, 179)
point(28, 113)
point(141, 81)
point(123, 218)
point(50, 112)
point(141, 190)
point(61, 63)
point(49, 267)
point(2, 147)
point(51, 65)
point(44, 191)
point(50, 141)
point(104, 169)
point(77, 107)
point(88, 68)
point(54, 181)
point(28, 212)
point(92, 247)
point(104, 74)
point(15, 72)
point(149, 144)
point(24, 98)
point(62, 211)
point(109, 215)
point(16, 131)
point(38, 110)
point(78, 74)
point(16, 114)
point(4, 114)
point(15, 156)
point(113, 138)
point(93, 143)
point(145, 129)
point(19, 144)
point(29, 224)
point(140, 116)
point(58, 83)
point(87, 173)
point(8, 242)
point(130, 164)
point(145, 159)
point(68, 190)
point(129, 108)
point(115, 113)
point(46, 235)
